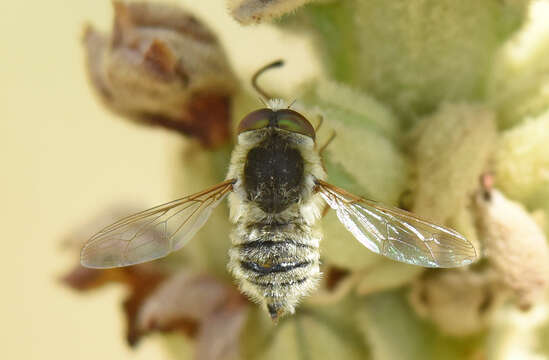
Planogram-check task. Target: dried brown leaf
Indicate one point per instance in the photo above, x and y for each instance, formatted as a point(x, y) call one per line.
point(219, 335)
point(199, 306)
point(142, 280)
point(216, 310)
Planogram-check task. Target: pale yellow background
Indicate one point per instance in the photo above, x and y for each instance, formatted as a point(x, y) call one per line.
point(64, 159)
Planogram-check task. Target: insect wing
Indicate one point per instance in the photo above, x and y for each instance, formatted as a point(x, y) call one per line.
point(151, 234)
point(398, 234)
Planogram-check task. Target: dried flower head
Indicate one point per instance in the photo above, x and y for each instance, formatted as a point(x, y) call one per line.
point(256, 11)
point(160, 65)
point(515, 246)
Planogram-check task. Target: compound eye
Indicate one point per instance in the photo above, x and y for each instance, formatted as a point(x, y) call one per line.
point(255, 120)
point(295, 122)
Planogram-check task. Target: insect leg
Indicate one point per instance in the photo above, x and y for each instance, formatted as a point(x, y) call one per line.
point(323, 147)
point(320, 121)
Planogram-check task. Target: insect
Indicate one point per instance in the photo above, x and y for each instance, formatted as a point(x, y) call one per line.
point(277, 192)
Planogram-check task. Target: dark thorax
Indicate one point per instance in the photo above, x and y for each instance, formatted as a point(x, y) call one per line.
point(273, 174)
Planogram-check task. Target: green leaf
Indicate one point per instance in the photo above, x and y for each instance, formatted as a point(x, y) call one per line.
point(321, 332)
point(396, 333)
point(364, 158)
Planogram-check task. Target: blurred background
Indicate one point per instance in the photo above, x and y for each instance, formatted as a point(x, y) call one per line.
point(65, 158)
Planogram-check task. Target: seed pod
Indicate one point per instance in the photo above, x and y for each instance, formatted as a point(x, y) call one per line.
point(515, 246)
point(256, 11)
point(161, 66)
point(460, 302)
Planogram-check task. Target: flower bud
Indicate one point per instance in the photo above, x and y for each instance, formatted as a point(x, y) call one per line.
point(515, 246)
point(460, 302)
point(522, 162)
point(450, 154)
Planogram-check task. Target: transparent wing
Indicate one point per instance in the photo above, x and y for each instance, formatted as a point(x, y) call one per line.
point(398, 234)
point(151, 234)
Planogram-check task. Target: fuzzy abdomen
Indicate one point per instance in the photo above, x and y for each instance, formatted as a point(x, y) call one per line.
point(275, 264)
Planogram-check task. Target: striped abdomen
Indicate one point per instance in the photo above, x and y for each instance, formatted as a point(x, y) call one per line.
point(275, 264)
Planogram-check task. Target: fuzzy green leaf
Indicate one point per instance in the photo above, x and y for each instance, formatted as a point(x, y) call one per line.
point(411, 54)
point(396, 333)
point(451, 152)
point(326, 332)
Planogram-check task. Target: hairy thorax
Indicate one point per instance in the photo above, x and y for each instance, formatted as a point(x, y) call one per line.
point(273, 174)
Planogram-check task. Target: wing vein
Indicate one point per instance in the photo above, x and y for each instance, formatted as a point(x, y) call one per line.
point(148, 235)
point(396, 233)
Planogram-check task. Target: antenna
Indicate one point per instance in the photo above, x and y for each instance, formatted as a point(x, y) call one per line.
point(261, 92)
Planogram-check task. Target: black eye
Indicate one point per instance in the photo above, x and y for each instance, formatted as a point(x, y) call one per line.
point(295, 122)
point(255, 120)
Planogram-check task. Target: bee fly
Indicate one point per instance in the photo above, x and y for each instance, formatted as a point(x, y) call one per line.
point(277, 191)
